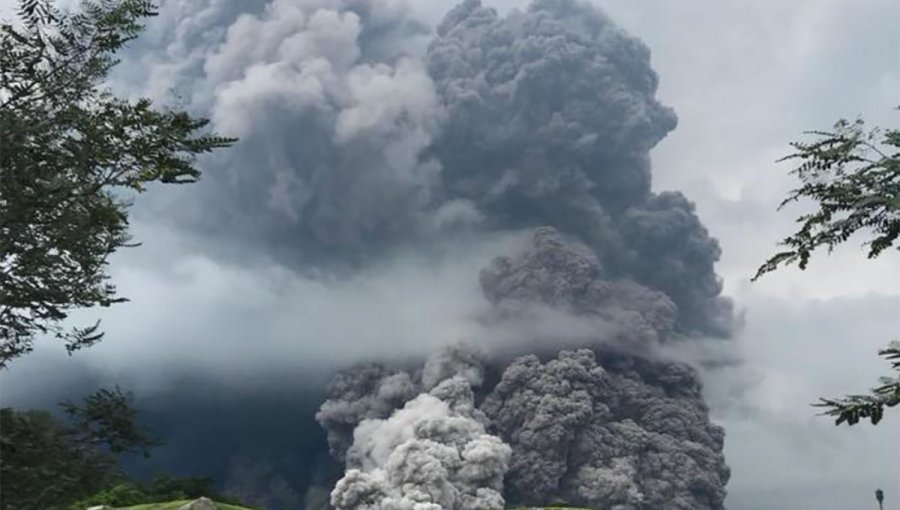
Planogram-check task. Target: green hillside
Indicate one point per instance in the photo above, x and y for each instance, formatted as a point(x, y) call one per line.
point(175, 505)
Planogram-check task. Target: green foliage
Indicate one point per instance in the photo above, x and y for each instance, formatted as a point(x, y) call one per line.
point(69, 152)
point(161, 490)
point(175, 505)
point(167, 488)
point(121, 495)
point(47, 464)
point(40, 468)
point(107, 418)
point(852, 408)
point(854, 178)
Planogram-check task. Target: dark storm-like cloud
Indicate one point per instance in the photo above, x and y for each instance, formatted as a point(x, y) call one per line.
point(627, 434)
point(550, 118)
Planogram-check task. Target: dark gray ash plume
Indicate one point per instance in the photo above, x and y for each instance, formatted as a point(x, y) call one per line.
point(550, 118)
point(623, 432)
point(363, 392)
point(565, 274)
point(627, 434)
point(353, 146)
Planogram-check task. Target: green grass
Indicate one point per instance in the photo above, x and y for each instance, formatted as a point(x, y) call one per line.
point(174, 505)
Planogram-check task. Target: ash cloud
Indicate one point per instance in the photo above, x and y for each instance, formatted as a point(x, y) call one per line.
point(432, 453)
point(333, 109)
point(626, 434)
point(564, 274)
point(385, 170)
point(359, 141)
point(550, 118)
point(362, 392)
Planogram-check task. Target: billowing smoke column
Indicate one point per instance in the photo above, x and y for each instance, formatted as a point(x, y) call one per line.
point(354, 145)
point(551, 114)
point(332, 115)
point(364, 392)
point(434, 453)
point(565, 274)
point(620, 432)
point(360, 140)
point(624, 434)
point(549, 117)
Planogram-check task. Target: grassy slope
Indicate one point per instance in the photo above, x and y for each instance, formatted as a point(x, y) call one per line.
point(174, 505)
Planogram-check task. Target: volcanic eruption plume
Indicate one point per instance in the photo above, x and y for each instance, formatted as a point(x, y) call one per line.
point(550, 116)
point(501, 164)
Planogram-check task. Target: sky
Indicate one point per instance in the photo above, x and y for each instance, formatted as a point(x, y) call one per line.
point(745, 79)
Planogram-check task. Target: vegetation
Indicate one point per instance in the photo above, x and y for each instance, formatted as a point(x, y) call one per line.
point(49, 464)
point(852, 408)
point(853, 176)
point(163, 490)
point(175, 505)
point(70, 152)
point(72, 464)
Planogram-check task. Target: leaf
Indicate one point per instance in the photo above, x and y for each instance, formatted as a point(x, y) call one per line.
point(68, 148)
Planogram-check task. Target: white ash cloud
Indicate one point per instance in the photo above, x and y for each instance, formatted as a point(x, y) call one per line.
point(333, 107)
point(432, 453)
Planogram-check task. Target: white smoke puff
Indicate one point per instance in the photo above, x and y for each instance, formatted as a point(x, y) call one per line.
point(371, 391)
point(306, 64)
point(375, 439)
point(360, 490)
point(429, 454)
point(614, 484)
point(333, 107)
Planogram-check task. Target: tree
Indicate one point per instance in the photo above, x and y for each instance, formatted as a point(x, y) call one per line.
point(162, 489)
point(853, 176)
point(46, 463)
point(852, 408)
point(71, 153)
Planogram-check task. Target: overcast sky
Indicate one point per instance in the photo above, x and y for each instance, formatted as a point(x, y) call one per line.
point(745, 79)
